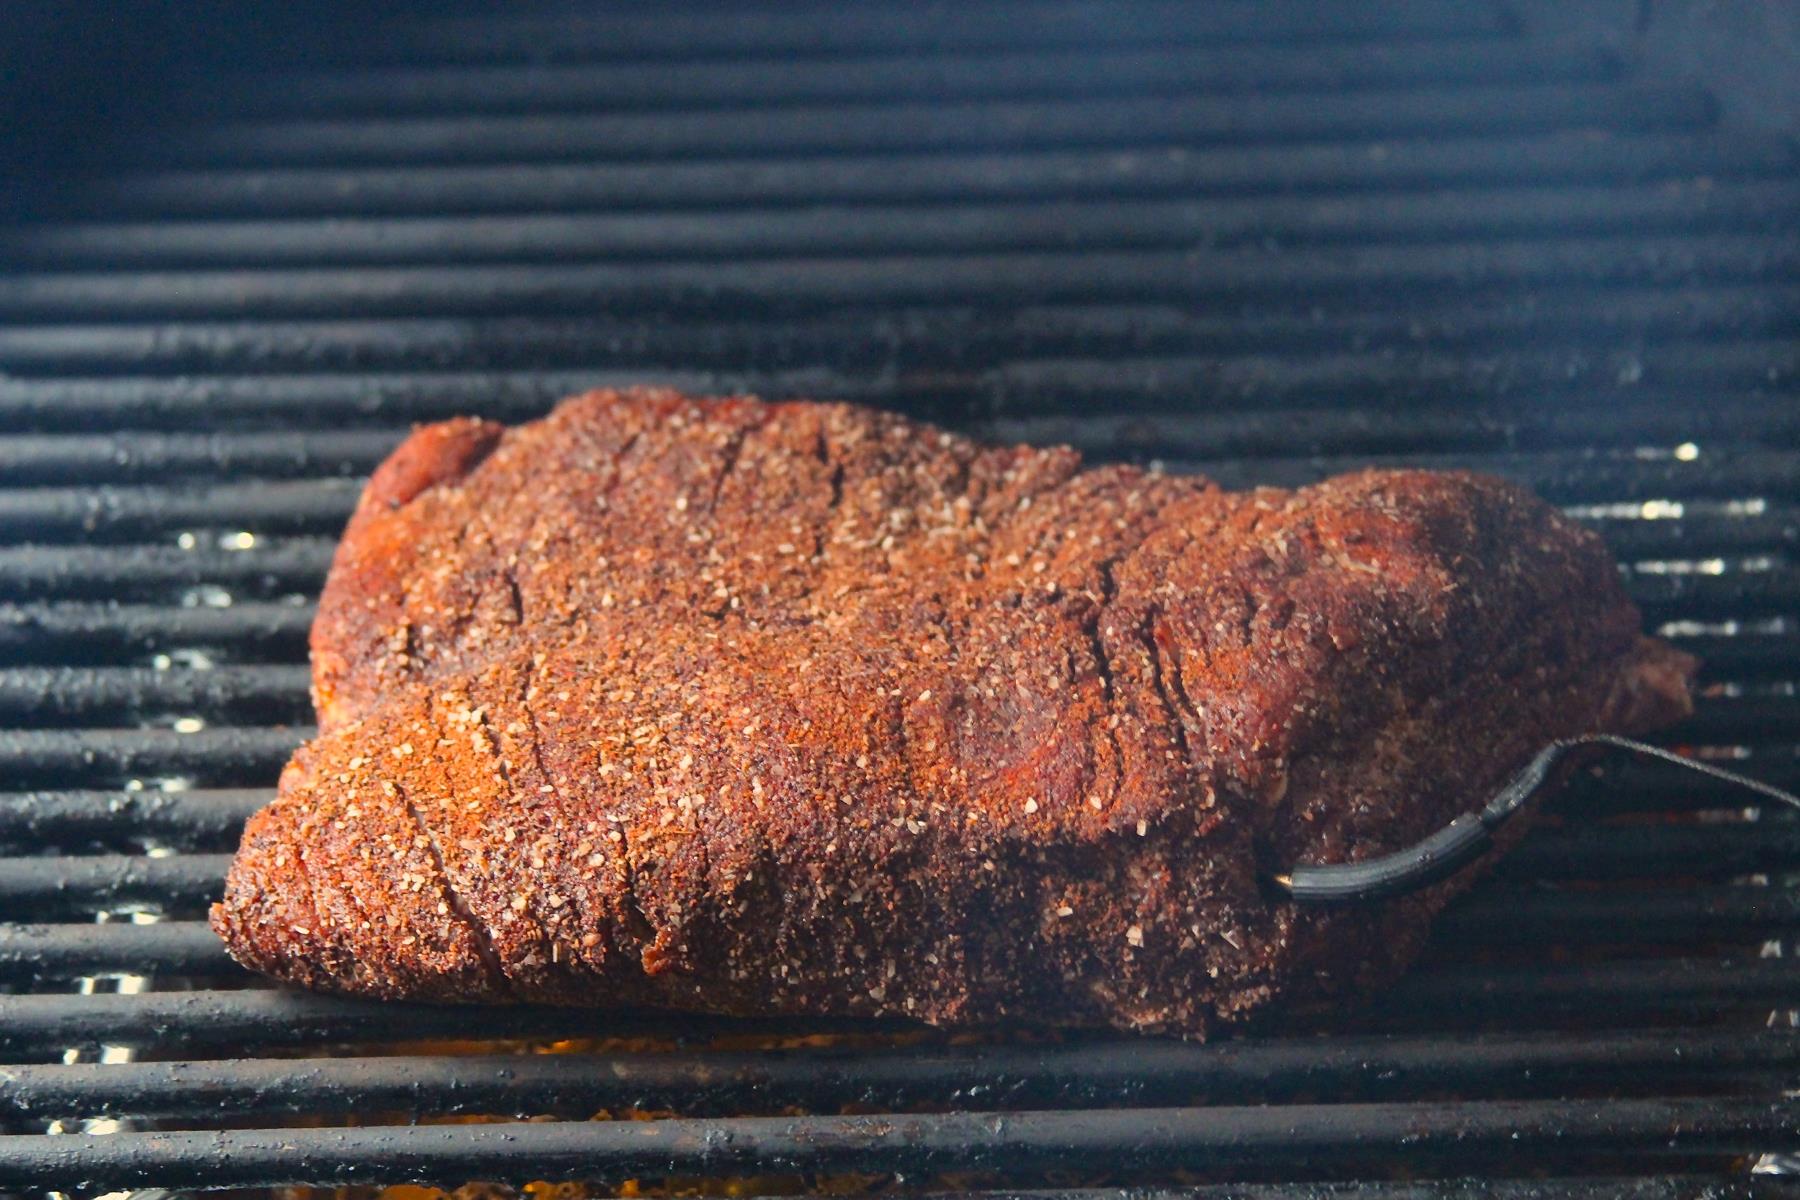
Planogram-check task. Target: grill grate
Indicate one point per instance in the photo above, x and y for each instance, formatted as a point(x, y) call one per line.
point(1267, 241)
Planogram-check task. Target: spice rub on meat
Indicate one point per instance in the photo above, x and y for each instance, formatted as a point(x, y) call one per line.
point(803, 708)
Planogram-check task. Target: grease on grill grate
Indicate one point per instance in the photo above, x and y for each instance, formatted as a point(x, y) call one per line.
point(1267, 242)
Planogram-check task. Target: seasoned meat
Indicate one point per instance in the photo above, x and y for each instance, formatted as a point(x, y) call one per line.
point(803, 708)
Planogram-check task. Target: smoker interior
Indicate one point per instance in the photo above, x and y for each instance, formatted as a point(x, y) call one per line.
point(1263, 241)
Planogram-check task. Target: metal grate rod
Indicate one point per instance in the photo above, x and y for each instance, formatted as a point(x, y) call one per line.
point(1093, 1072)
point(947, 337)
point(802, 284)
point(914, 126)
point(246, 755)
point(1043, 176)
point(1330, 1138)
point(190, 819)
point(74, 633)
point(712, 34)
point(1200, 66)
point(1438, 996)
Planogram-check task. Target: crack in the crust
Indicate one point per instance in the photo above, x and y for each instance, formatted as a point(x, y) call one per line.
point(478, 935)
point(834, 499)
point(1188, 708)
point(631, 908)
point(903, 746)
point(1247, 623)
point(822, 451)
point(472, 516)
point(1094, 629)
point(618, 457)
point(512, 590)
point(1103, 669)
point(319, 919)
point(610, 483)
point(836, 483)
point(732, 449)
point(506, 779)
point(633, 913)
point(1179, 711)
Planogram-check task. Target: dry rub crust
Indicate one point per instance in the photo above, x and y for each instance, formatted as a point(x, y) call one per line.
point(804, 708)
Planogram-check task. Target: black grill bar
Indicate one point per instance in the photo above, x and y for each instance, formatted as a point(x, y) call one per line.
point(1710, 851)
point(1050, 175)
point(1326, 1138)
point(236, 1019)
point(1392, 377)
point(201, 818)
point(94, 515)
point(136, 456)
point(1741, 719)
point(940, 126)
point(1468, 387)
point(62, 952)
point(1132, 1073)
point(800, 284)
point(46, 886)
point(1637, 1187)
point(945, 337)
point(1538, 917)
point(125, 572)
point(49, 696)
point(246, 755)
point(1450, 995)
point(1582, 385)
point(1584, 209)
point(732, 33)
point(1745, 594)
point(1191, 67)
point(1704, 529)
point(1602, 991)
point(110, 632)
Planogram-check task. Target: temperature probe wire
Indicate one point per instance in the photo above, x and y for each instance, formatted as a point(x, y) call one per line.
point(1471, 835)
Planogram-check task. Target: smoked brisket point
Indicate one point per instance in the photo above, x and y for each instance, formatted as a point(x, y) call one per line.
point(803, 708)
